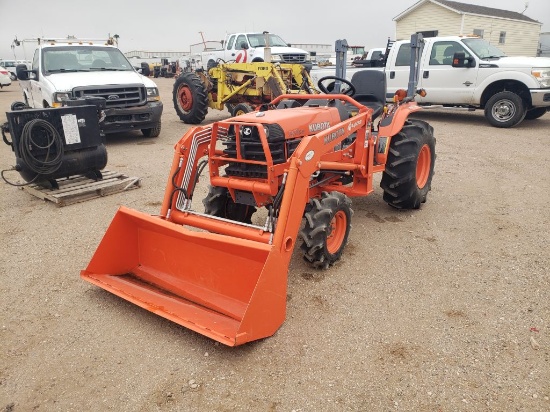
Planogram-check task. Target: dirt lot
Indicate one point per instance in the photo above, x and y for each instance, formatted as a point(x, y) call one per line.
point(441, 309)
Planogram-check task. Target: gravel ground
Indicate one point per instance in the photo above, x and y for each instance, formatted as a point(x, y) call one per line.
point(441, 309)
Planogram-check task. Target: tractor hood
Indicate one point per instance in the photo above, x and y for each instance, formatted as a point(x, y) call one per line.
point(69, 80)
point(296, 122)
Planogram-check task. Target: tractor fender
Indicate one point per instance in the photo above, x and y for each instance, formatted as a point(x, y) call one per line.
point(392, 124)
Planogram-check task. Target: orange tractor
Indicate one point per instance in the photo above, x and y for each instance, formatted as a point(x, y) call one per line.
point(302, 157)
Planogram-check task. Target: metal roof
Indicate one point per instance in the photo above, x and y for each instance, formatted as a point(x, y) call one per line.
point(465, 8)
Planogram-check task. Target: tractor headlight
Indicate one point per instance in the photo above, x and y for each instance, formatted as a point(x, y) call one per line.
point(153, 94)
point(59, 97)
point(542, 75)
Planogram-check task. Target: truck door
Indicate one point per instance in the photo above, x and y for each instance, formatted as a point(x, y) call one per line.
point(241, 39)
point(442, 82)
point(229, 48)
point(34, 82)
point(397, 75)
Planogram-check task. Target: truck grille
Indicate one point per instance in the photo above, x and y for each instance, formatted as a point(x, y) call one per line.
point(294, 58)
point(115, 96)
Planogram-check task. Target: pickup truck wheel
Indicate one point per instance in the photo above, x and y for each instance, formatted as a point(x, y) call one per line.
point(325, 233)
point(190, 98)
point(242, 108)
point(153, 132)
point(218, 202)
point(535, 113)
point(18, 106)
point(410, 166)
point(505, 109)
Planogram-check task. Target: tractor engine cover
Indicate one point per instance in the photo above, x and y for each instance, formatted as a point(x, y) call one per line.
point(59, 142)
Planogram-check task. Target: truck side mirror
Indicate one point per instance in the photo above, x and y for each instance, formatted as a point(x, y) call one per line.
point(460, 60)
point(244, 45)
point(22, 72)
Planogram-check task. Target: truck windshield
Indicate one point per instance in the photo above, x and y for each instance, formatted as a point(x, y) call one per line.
point(258, 40)
point(483, 49)
point(77, 59)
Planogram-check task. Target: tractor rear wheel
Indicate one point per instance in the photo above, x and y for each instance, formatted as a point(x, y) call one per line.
point(410, 166)
point(190, 98)
point(325, 234)
point(218, 202)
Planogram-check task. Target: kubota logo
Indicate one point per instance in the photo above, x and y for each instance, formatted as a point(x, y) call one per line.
point(334, 135)
point(353, 125)
point(315, 127)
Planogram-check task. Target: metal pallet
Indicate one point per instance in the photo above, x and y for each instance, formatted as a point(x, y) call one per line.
point(81, 188)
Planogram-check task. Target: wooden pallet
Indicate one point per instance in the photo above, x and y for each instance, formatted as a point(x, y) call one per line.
point(81, 188)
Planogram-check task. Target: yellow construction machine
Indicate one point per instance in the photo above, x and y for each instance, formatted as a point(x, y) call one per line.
point(239, 87)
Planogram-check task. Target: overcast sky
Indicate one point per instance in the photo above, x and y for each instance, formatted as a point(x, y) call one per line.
point(162, 25)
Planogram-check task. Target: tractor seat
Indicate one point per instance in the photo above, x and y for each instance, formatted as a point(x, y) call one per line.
point(370, 90)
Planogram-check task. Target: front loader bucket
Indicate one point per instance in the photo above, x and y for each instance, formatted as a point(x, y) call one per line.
point(230, 289)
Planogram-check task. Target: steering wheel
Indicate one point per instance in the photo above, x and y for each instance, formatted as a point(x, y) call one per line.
point(350, 91)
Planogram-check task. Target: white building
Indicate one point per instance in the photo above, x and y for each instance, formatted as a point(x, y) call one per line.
point(512, 32)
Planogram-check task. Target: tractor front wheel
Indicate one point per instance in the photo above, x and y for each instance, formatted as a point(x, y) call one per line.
point(410, 166)
point(190, 98)
point(242, 108)
point(325, 234)
point(219, 203)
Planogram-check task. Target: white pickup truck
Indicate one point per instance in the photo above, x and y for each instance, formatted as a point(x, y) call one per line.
point(63, 69)
point(255, 47)
point(469, 72)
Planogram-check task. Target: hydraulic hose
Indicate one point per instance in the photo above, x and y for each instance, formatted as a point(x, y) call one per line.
point(27, 144)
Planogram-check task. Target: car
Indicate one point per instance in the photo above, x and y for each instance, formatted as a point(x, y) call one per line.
point(11, 65)
point(5, 79)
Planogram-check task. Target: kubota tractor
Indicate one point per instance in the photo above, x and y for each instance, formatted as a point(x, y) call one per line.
point(218, 271)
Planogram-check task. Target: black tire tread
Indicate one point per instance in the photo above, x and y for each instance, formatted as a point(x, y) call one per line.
point(219, 203)
point(199, 107)
point(152, 132)
point(399, 178)
point(318, 215)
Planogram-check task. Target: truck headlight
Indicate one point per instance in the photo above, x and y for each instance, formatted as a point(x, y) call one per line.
point(59, 97)
point(542, 75)
point(276, 58)
point(153, 94)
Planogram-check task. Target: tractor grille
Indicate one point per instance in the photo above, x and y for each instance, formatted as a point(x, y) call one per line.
point(115, 96)
point(251, 149)
point(294, 58)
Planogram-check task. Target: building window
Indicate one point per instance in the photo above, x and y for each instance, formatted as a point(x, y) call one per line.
point(478, 32)
point(502, 37)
